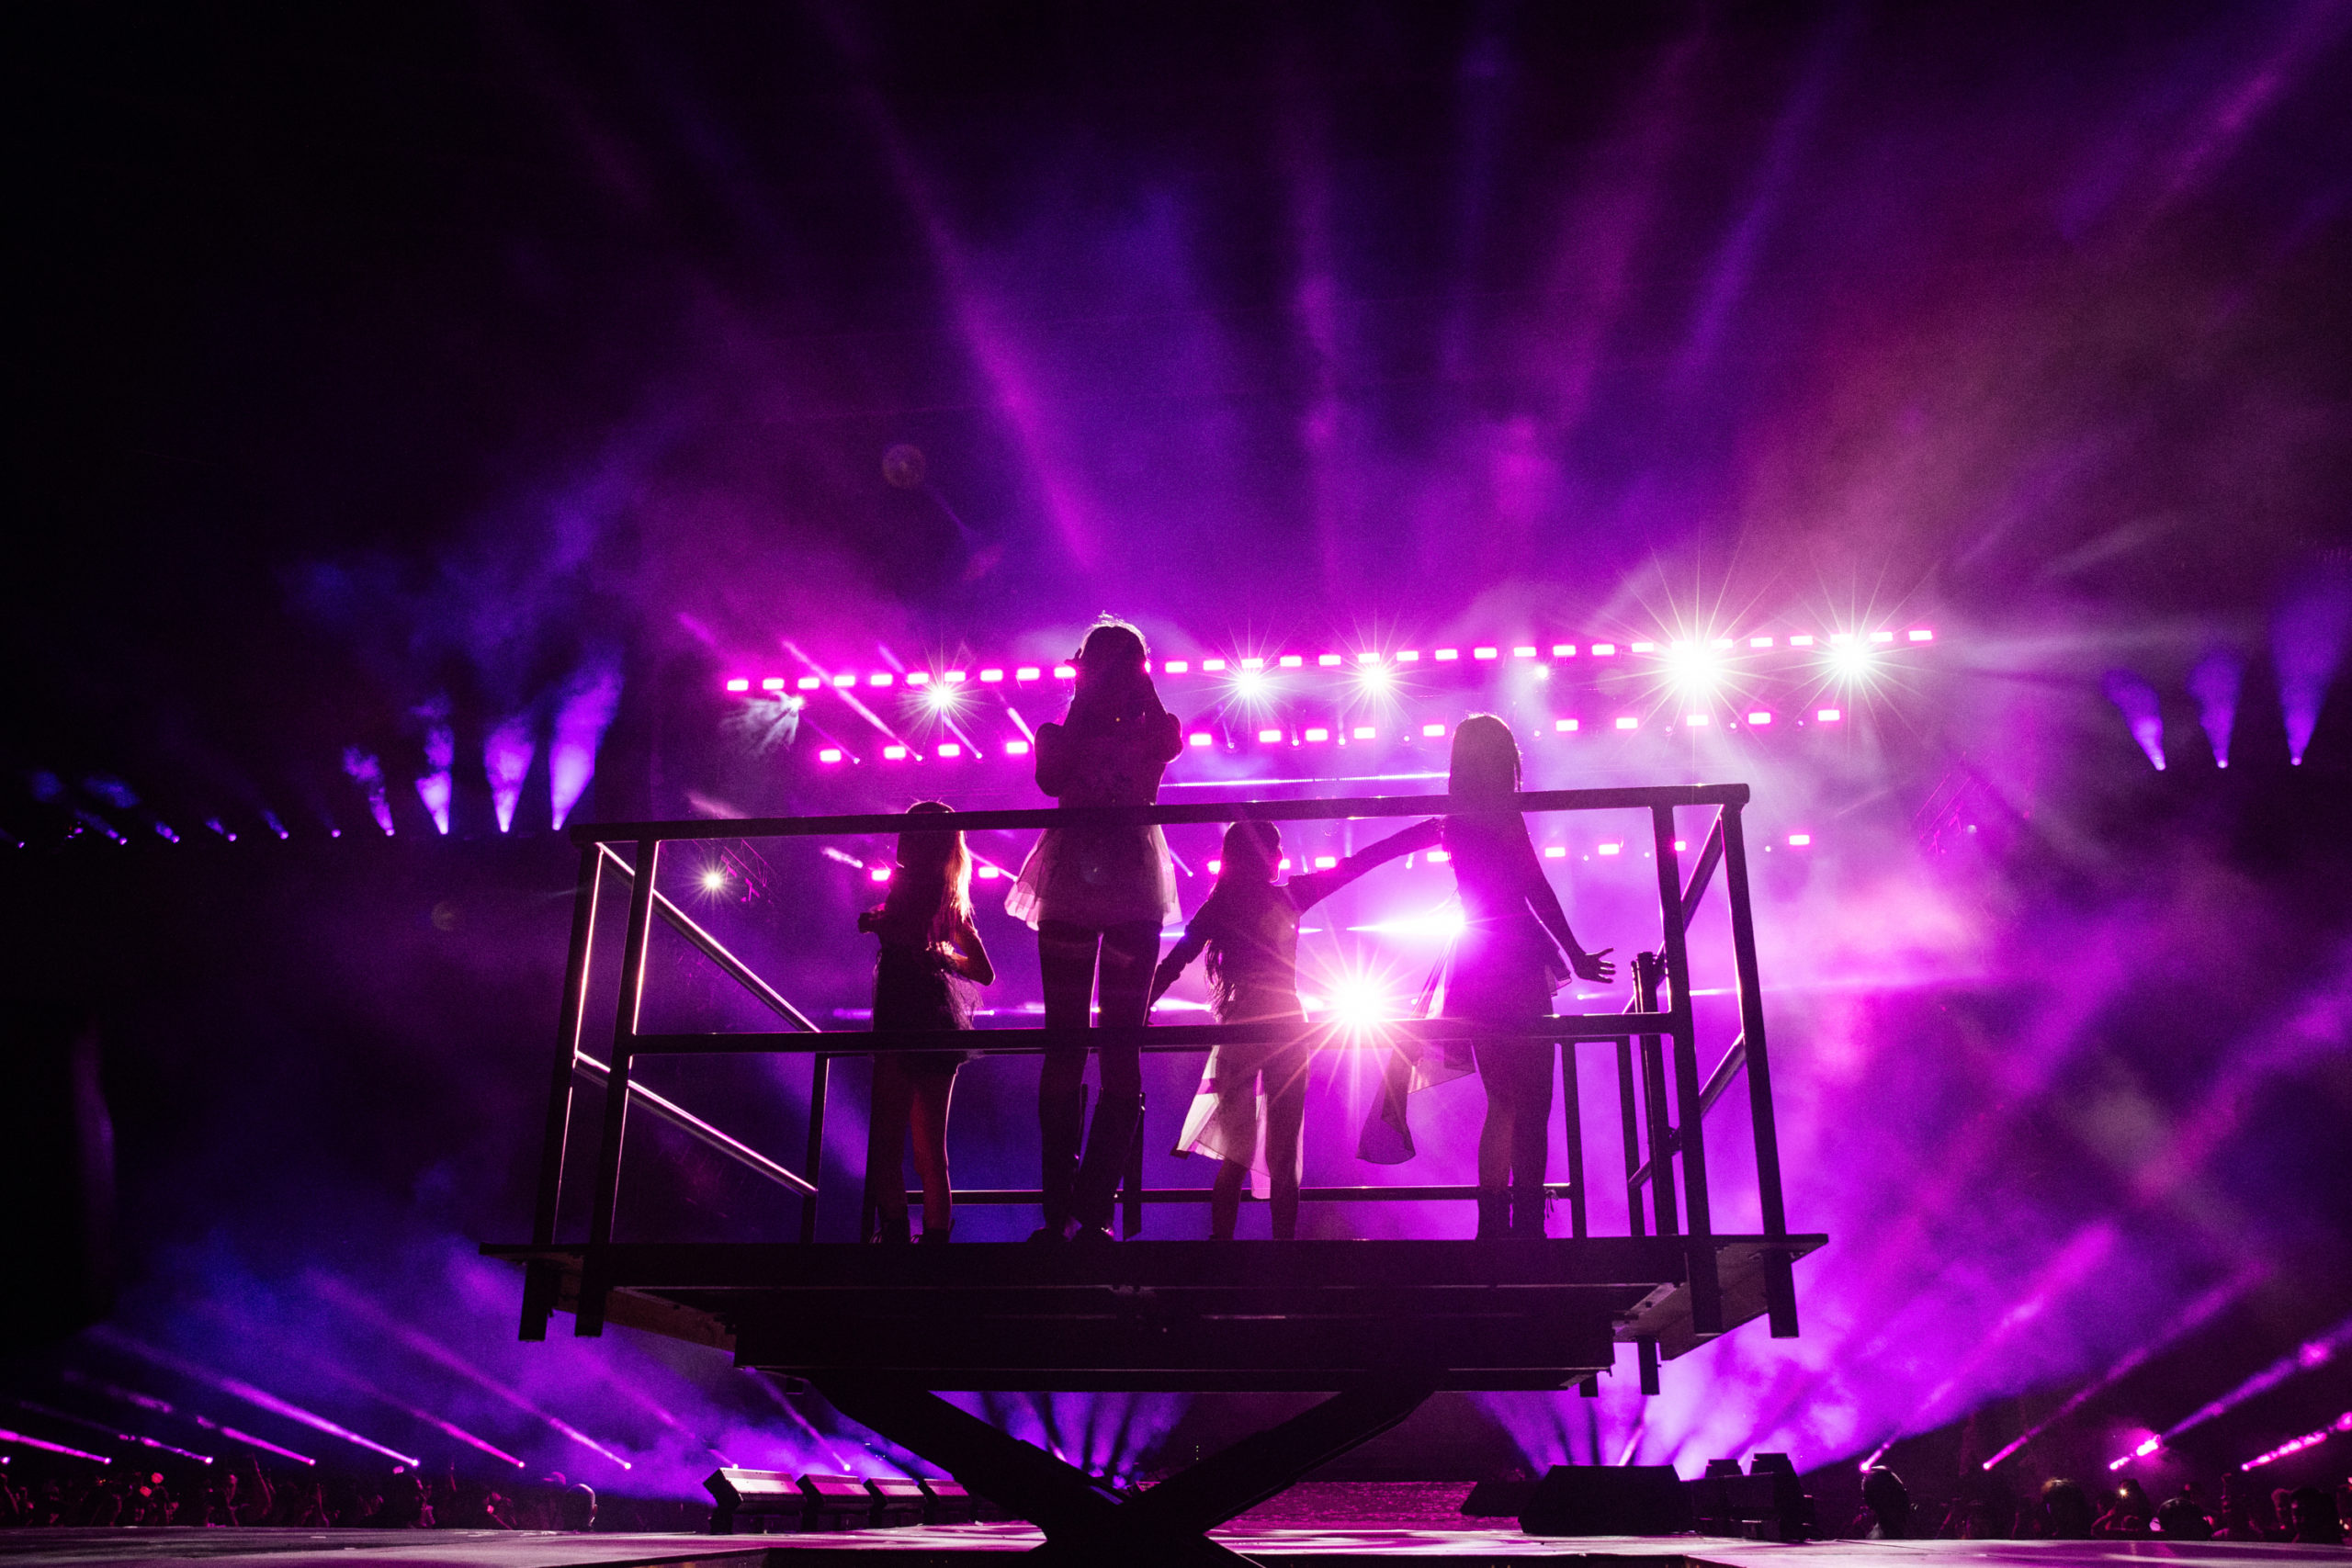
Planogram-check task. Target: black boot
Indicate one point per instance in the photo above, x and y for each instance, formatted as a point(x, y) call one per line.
point(1117, 1118)
point(937, 1235)
point(1527, 1211)
point(1060, 1123)
point(890, 1225)
point(1494, 1212)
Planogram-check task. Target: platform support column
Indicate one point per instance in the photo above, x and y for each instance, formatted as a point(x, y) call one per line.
point(1706, 1292)
point(588, 1319)
point(1779, 1283)
point(820, 1065)
point(542, 1282)
point(1086, 1523)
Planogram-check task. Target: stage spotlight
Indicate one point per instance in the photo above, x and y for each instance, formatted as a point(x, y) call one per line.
point(939, 698)
point(1251, 682)
point(714, 880)
point(1375, 678)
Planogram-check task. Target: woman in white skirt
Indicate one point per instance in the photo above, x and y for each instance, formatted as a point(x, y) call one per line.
point(1098, 898)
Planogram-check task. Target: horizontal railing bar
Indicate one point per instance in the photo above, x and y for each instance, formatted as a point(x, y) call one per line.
point(687, 1120)
point(1177, 1037)
point(1012, 1196)
point(1639, 798)
point(712, 948)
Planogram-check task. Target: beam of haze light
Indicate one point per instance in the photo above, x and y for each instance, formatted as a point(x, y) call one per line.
point(2307, 642)
point(588, 703)
point(45, 1446)
point(1728, 278)
point(2297, 1445)
point(2083, 1251)
point(369, 773)
point(2215, 684)
point(264, 1444)
point(437, 786)
point(988, 339)
point(2304, 1358)
point(432, 1351)
point(2137, 701)
point(2192, 1318)
point(350, 1380)
point(119, 1437)
point(259, 1398)
point(2233, 112)
point(506, 757)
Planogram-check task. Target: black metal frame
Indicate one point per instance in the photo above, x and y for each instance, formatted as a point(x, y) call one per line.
point(1666, 1046)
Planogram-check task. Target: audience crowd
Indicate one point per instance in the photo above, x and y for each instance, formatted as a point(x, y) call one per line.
point(2067, 1510)
point(249, 1496)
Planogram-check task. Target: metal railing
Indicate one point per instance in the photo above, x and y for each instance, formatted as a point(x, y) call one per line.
point(1662, 1102)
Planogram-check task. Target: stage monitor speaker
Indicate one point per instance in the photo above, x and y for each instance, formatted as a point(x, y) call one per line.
point(1601, 1499)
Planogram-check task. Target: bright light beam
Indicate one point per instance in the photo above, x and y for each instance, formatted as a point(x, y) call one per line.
point(259, 1398)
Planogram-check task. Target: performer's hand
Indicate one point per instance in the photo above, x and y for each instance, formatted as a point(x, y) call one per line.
point(1593, 965)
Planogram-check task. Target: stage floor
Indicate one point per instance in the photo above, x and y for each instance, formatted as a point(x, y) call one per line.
point(1331, 1546)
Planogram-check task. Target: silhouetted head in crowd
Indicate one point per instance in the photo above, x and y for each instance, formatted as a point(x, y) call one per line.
point(1485, 758)
point(2313, 1513)
point(1889, 1501)
point(1114, 679)
point(2131, 1499)
point(2066, 1510)
point(2183, 1519)
point(576, 1509)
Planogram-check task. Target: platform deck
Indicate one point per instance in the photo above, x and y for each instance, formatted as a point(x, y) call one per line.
point(1336, 1546)
point(1175, 1316)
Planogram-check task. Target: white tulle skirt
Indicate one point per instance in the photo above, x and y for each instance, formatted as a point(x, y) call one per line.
point(1096, 877)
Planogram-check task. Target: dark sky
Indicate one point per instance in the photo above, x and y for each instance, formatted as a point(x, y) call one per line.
point(371, 357)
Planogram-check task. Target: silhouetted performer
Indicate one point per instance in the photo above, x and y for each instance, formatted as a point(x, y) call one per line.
point(1503, 968)
point(1098, 898)
point(930, 950)
point(1249, 926)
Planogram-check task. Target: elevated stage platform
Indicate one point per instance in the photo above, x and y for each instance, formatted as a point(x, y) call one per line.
point(1379, 1325)
point(1337, 1545)
point(1179, 1317)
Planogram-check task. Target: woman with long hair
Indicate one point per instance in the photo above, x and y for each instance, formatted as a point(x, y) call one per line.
point(932, 955)
point(1249, 927)
point(1098, 898)
point(1502, 968)
point(1506, 965)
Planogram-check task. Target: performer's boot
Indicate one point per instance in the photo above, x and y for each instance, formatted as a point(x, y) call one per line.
point(1494, 1212)
point(1061, 1121)
point(1527, 1211)
point(890, 1225)
point(937, 1235)
point(1116, 1119)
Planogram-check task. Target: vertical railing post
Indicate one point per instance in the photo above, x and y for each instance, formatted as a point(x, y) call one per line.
point(1131, 1200)
point(1572, 1114)
point(1648, 973)
point(588, 1320)
point(1706, 1294)
point(1779, 1285)
point(813, 1164)
point(542, 1282)
point(1629, 1128)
